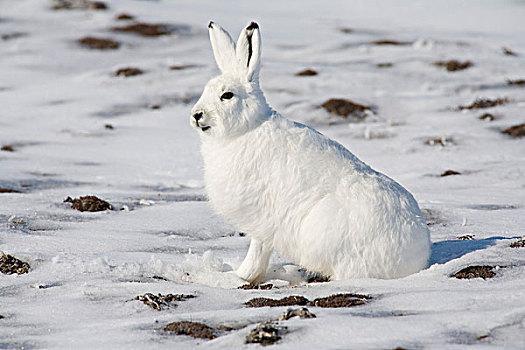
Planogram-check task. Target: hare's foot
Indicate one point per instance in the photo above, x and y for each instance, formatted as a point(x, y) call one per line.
point(253, 268)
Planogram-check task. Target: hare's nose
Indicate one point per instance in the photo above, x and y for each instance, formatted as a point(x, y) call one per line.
point(197, 116)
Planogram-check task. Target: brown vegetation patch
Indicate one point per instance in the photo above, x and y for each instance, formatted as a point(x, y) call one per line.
point(332, 301)
point(159, 301)
point(306, 73)
point(301, 312)
point(518, 244)
point(7, 148)
point(193, 329)
point(385, 42)
point(449, 172)
point(345, 108)
point(88, 203)
point(145, 29)
point(124, 17)
point(266, 333)
point(485, 103)
point(128, 72)
point(99, 43)
point(518, 82)
point(9, 265)
point(256, 286)
point(487, 116)
point(475, 272)
point(515, 131)
point(78, 5)
point(454, 65)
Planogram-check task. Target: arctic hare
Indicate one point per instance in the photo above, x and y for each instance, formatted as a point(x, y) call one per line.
point(294, 190)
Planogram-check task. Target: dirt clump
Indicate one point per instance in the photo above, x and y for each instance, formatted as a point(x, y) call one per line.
point(7, 148)
point(88, 203)
point(145, 29)
point(256, 286)
point(453, 65)
point(299, 312)
point(485, 103)
point(306, 73)
point(487, 116)
point(345, 108)
point(515, 131)
point(124, 17)
point(109, 127)
point(10, 265)
point(518, 244)
point(465, 237)
point(78, 5)
point(159, 301)
point(449, 172)
point(384, 65)
point(340, 300)
point(475, 272)
point(99, 43)
point(128, 72)
point(266, 333)
point(386, 42)
point(193, 329)
point(8, 190)
point(286, 301)
point(518, 82)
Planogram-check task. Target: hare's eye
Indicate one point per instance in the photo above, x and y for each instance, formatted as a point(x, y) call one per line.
point(226, 95)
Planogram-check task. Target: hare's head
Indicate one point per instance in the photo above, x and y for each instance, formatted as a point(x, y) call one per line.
point(232, 103)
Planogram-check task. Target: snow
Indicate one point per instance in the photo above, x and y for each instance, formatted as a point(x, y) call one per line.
point(86, 268)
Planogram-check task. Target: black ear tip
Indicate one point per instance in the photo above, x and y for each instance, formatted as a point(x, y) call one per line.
point(253, 26)
point(210, 24)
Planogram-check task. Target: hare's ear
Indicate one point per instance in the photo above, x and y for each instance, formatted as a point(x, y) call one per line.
point(223, 47)
point(249, 51)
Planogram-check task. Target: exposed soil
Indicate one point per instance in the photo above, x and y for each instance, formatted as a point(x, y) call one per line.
point(518, 82)
point(193, 329)
point(391, 42)
point(124, 17)
point(256, 286)
point(99, 43)
point(453, 65)
point(7, 148)
point(508, 51)
point(318, 278)
point(154, 107)
point(12, 36)
point(158, 302)
point(487, 116)
point(475, 272)
point(9, 265)
point(306, 73)
point(515, 131)
point(518, 244)
point(88, 203)
point(299, 312)
point(466, 237)
point(345, 108)
point(443, 141)
point(332, 301)
point(128, 72)
point(266, 333)
point(384, 65)
point(182, 66)
point(145, 29)
point(78, 5)
point(449, 172)
point(485, 103)
point(8, 190)
point(109, 127)
point(346, 30)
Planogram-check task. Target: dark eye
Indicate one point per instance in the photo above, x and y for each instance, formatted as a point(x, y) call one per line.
point(226, 95)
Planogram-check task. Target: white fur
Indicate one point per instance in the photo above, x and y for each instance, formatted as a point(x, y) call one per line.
point(292, 189)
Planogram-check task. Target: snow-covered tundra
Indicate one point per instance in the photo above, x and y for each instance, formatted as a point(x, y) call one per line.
point(294, 190)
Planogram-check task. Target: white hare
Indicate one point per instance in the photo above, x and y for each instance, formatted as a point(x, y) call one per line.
point(294, 190)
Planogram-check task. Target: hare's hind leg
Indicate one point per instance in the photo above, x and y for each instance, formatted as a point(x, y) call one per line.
point(254, 265)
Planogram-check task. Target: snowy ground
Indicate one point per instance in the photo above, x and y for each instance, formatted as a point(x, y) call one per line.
point(56, 98)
